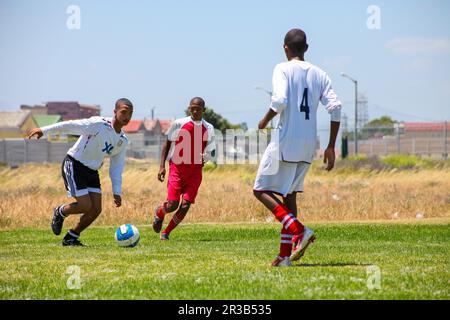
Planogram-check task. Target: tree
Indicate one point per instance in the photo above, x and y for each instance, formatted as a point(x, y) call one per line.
point(219, 122)
point(378, 128)
point(384, 121)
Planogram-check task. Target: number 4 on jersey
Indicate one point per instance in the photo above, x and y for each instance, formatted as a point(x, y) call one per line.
point(304, 107)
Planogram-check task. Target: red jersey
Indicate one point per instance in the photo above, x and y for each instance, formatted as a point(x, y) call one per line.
point(190, 141)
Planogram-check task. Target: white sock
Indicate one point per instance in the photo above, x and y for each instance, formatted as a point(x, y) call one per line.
point(60, 210)
point(73, 234)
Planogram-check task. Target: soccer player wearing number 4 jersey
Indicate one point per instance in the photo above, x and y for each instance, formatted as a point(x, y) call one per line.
point(99, 138)
point(298, 86)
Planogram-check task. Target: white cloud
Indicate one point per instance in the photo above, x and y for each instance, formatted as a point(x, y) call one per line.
point(419, 65)
point(419, 45)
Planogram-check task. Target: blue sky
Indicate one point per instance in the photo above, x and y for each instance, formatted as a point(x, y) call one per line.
point(161, 53)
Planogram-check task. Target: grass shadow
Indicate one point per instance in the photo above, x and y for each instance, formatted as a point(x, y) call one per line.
point(333, 264)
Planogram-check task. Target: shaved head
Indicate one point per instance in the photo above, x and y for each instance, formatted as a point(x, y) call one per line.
point(198, 101)
point(124, 101)
point(295, 40)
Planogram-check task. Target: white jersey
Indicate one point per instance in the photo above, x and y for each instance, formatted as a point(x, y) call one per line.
point(298, 86)
point(98, 140)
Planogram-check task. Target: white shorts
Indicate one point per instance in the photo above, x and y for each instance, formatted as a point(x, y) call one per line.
point(280, 177)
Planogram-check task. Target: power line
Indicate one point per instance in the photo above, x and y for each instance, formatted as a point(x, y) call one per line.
point(402, 114)
point(350, 112)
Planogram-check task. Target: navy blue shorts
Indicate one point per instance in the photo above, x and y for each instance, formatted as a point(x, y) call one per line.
point(79, 179)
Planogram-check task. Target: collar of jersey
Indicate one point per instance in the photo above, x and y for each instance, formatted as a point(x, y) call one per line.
point(197, 122)
point(109, 120)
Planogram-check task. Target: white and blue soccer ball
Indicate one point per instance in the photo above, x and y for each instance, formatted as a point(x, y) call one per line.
point(127, 235)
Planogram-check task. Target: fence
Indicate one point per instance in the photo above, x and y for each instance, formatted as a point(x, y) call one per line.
point(427, 140)
point(421, 147)
point(14, 152)
point(239, 149)
point(17, 151)
point(246, 147)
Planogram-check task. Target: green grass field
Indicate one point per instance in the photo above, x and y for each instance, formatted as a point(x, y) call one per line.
point(204, 261)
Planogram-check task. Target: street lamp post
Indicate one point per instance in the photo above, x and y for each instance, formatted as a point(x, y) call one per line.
point(270, 99)
point(356, 110)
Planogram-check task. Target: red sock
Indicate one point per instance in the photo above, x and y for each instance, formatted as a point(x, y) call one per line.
point(176, 220)
point(285, 244)
point(288, 220)
point(161, 211)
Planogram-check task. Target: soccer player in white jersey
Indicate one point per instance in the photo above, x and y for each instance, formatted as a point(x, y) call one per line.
point(99, 138)
point(298, 86)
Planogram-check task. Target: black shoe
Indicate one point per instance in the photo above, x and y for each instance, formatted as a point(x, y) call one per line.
point(157, 222)
point(57, 221)
point(74, 242)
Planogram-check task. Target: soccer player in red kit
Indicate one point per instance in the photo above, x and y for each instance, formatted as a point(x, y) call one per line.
point(190, 142)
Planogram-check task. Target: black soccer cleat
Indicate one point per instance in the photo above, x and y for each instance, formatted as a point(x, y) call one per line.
point(72, 242)
point(157, 222)
point(57, 221)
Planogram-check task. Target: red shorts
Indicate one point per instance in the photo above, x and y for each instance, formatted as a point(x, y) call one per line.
point(183, 180)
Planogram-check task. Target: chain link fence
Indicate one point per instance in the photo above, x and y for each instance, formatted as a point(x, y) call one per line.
point(247, 147)
point(427, 140)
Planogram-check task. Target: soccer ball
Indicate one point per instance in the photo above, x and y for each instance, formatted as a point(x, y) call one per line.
point(127, 235)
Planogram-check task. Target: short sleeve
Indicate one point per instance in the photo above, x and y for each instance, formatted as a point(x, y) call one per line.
point(210, 150)
point(330, 99)
point(172, 133)
point(280, 90)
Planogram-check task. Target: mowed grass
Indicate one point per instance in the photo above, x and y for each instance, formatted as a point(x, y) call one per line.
point(231, 261)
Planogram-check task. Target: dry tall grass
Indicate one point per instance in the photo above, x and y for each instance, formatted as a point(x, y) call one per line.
point(28, 194)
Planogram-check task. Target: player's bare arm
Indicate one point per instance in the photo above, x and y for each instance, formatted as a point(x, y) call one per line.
point(265, 121)
point(35, 132)
point(329, 156)
point(162, 166)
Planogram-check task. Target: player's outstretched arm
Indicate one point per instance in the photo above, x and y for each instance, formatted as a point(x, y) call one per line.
point(164, 153)
point(329, 157)
point(35, 132)
point(116, 166)
point(75, 127)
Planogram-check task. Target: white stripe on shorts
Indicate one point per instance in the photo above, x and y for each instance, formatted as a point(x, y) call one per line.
point(73, 191)
point(94, 190)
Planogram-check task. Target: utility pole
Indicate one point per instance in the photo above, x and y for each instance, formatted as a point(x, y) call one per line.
point(356, 110)
point(445, 140)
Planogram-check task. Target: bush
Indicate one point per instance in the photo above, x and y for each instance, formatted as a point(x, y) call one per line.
point(401, 161)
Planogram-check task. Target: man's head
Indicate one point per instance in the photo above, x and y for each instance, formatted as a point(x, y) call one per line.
point(196, 108)
point(123, 111)
point(295, 44)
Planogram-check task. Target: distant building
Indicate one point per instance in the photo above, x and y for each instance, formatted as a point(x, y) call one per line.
point(135, 132)
point(16, 124)
point(147, 132)
point(153, 132)
point(69, 110)
point(424, 129)
point(153, 127)
point(165, 125)
point(36, 109)
point(72, 110)
point(43, 120)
